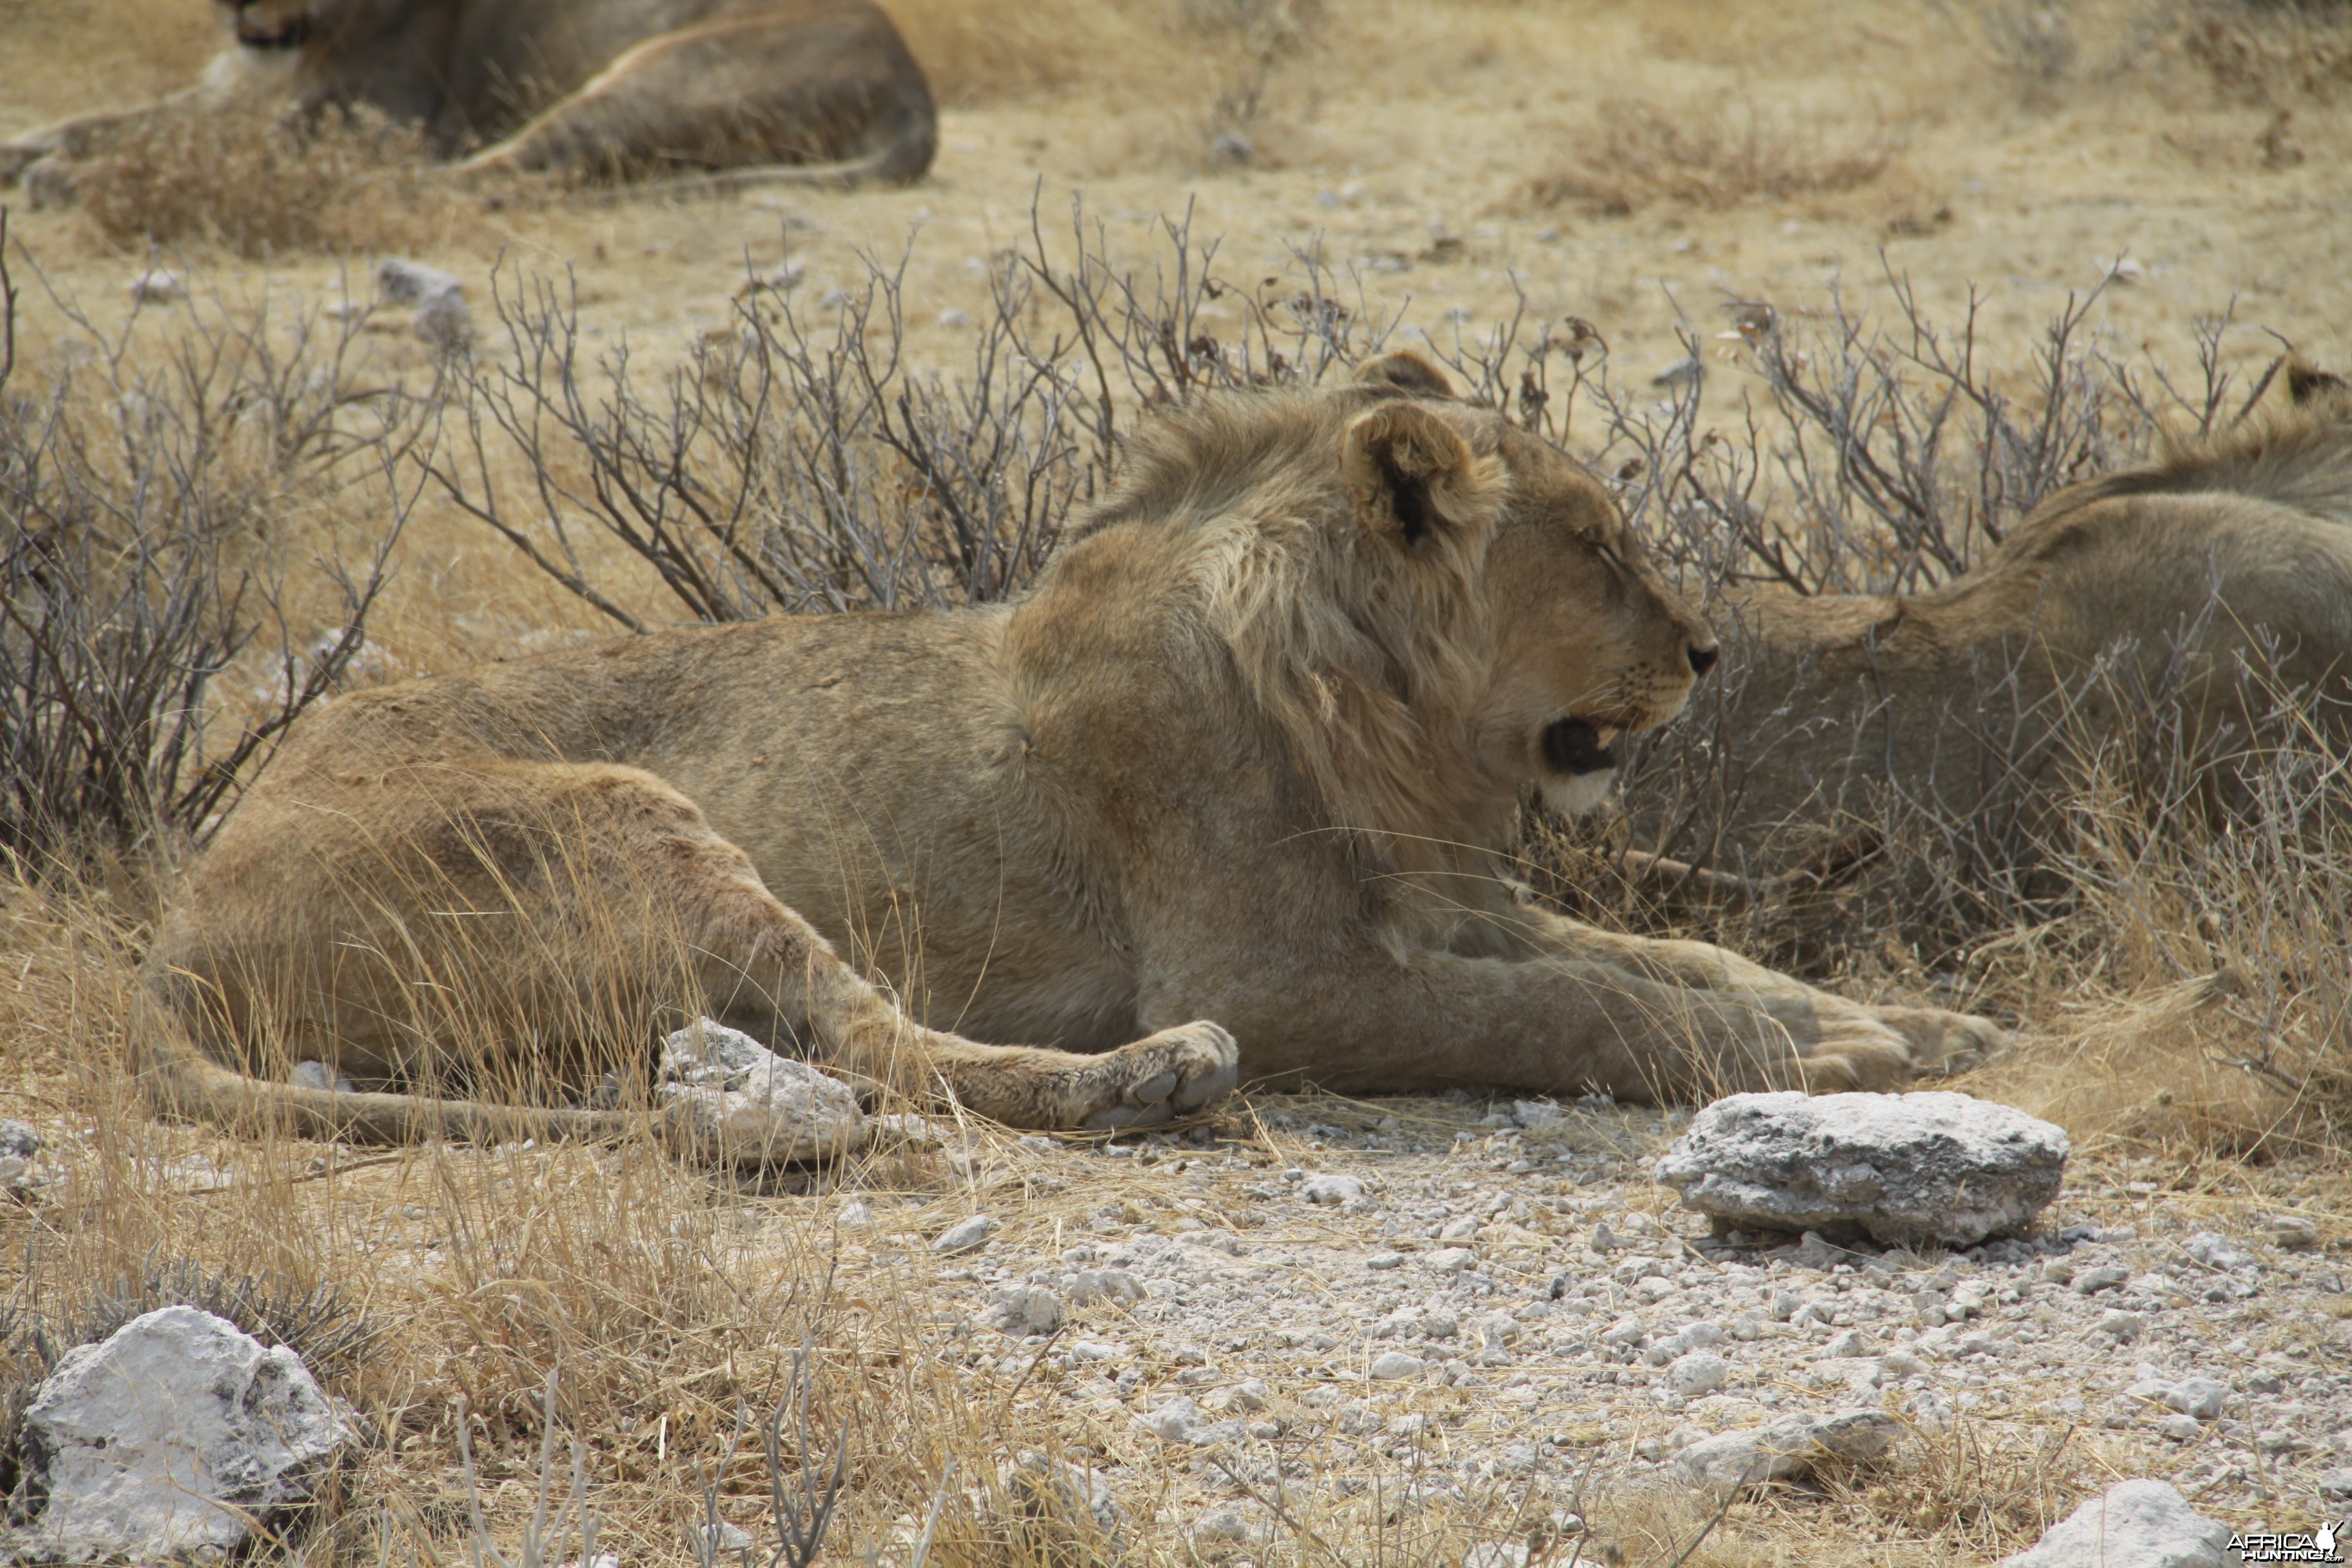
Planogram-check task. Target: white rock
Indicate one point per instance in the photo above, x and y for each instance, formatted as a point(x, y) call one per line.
point(1329, 1190)
point(1092, 1285)
point(158, 286)
point(759, 1107)
point(2217, 1251)
point(173, 1435)
point(1536, 1115)
point(1042, 1486)
point(1785, 1448)
point(1221, 1524)
point(964, 1236)
point(2201, 1397)
point(1900, 1168)
point(855, 1215)
point(399, 282)
point(19, 1139)
point(1699, 1372)
point(1450, 1259)
point(1393, 1364)
point(1173, 1422)
point(1022, 1309)
point(2132, 1524)
point(1841, 1347)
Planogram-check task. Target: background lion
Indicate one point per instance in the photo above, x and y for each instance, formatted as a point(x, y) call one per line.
point(1248, 751)
point(800, 90)
point(2194, 609)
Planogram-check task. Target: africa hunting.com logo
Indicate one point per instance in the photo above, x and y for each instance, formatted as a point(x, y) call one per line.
point(2325, 1545)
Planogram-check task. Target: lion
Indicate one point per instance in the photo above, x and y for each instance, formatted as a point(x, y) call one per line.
point(1249, 750)
point(728, 92)
point(2188, 606)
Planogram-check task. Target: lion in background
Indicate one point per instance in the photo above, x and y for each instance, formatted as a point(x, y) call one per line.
point(2201, 604)
point(1249, 752)
point(721, 91)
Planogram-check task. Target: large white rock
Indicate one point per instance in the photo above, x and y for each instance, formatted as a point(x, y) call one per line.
point(1900, 1168)
point(173, 1435)
point(1784, 1448)
point(2132, 1524)
point(755, 1105)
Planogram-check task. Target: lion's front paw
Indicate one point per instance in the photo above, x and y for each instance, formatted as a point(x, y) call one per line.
point(1943, 1043)
point(1176, 1069)
point(1854, 1051)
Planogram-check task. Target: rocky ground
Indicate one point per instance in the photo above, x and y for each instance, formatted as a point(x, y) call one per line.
point(1496, 1306)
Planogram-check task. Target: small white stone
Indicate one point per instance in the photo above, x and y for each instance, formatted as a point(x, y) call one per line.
point(1022, 1309)
point(1173, 1422)
point(1385, 1260)
point(757, 1106)
point(964, 1236)
point(1331, 1190)
point(1221, 1524)
point(1450, 1260)
point(1393, 1364)
point(1697, 1373)
point(157, 285)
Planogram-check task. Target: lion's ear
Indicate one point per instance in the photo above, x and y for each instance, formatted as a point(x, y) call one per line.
point(1408, 372)
point(1411, 476)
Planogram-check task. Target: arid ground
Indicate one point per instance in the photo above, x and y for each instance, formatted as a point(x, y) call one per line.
point(2186, 166)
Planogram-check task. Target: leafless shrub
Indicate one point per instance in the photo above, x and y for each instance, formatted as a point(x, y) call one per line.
point(807, 465)
point(137, 565)
point(250, 180)
point(1714, 154)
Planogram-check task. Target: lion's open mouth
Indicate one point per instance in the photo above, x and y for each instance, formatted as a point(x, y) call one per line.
point(289, 33)
point(1578, 746)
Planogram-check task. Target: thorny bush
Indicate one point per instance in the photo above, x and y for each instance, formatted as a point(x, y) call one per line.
point(144, 553)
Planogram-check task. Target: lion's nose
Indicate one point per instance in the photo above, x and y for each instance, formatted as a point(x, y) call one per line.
point(1702, 660)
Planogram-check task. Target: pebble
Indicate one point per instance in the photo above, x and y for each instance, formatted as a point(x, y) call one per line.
point(965, 1235)
point(1330, 1191)
point(1393, 1364)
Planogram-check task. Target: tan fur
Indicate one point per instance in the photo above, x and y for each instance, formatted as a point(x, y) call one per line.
point(2217, 581)
point(1248, 751)
point(716, 92)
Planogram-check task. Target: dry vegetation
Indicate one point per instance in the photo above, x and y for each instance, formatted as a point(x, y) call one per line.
point(218, 513)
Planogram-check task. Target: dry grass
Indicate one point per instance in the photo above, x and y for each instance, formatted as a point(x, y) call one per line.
point(245, 179)
point(1715, 154)
point(2272, 53)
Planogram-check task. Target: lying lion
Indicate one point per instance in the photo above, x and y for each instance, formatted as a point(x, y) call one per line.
point(2203, 593)
point(788, 89)
point(1248, 751)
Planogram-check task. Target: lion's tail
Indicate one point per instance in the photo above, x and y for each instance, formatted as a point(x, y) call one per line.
point(178, 1079)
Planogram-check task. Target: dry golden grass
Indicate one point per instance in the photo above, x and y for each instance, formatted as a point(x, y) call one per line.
point(244, 178)
point(1714, 154)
